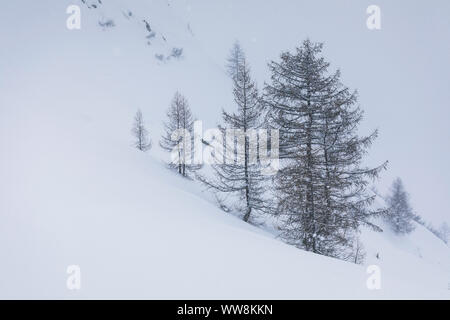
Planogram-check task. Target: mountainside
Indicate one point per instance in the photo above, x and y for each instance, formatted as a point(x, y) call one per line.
point(73, 190)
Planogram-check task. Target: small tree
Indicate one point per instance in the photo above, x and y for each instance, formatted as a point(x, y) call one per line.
point(139, 131)
point(399, 214)
point(359, 253)
point(178, 135)
point(240, 175)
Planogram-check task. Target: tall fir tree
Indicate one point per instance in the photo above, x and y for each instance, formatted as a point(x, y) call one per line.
point(178, 135)
point(240, 173)
point(400, 214)
point(142, 141)
point(321, 186)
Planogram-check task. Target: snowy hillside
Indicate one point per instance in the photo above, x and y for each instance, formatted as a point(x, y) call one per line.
point(73, 190)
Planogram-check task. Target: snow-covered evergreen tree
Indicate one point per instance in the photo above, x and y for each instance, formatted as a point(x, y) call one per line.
point(142, 141)
point(178, 135)
point(399, 215)
point(240, 173)
point(321, 186)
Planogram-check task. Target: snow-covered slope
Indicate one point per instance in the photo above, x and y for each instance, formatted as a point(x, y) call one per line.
point(74, 192)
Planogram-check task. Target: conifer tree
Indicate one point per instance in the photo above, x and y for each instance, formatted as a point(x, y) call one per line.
point(178, 135)
point(399, 215)
point(240, 173)
point(142, 141)
point(321, 186)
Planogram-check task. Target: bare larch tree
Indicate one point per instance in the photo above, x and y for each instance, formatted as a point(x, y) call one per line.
point(321, 186)
point(240, 173)
point(400, 215)
point(178, 135)
point(142, 141)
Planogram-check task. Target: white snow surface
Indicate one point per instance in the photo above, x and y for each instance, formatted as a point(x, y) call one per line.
point(73, 190)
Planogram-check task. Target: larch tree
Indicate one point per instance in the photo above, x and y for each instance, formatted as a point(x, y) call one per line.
point(142, 141)
point(240, 172)
point(400, 214)
point(235, 60)
point(321, 187)
point(178, 135)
